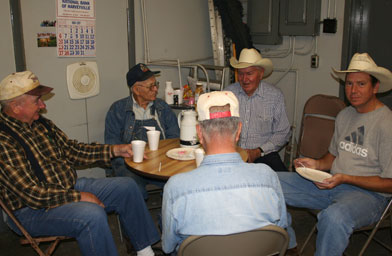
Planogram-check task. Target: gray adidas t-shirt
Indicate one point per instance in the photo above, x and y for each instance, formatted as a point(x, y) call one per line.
point(362, 143)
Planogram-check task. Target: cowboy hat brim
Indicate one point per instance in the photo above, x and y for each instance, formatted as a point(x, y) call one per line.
point(264, 63)
point(383, 75)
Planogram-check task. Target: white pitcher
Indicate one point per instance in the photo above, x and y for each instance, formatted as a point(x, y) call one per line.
point(187, 122)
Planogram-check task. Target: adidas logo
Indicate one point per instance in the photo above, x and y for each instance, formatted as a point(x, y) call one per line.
point(353, 142)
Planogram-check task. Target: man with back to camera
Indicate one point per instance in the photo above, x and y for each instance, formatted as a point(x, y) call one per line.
point(359, 158)
point(223, 189)
point(265, 126)
point(127, 118)
point(39, 183)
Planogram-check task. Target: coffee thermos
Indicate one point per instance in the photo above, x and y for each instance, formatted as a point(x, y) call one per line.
point(187, 122)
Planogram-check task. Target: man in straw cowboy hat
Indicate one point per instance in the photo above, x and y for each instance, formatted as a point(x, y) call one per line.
point(224, 195)
point(266, 128)
point(359, 160)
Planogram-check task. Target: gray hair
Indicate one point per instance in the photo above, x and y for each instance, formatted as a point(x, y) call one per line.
point(6, 103)
point(227, 126)
point(220, 127)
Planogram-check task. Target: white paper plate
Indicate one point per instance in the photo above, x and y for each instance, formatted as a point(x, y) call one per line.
point(312, 174)
point(181, 153)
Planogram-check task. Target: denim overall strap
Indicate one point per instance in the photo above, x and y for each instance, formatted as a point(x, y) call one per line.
point(140, 133)
point(30, 156)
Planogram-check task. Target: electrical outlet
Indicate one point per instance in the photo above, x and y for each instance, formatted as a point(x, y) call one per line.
point(314, 62)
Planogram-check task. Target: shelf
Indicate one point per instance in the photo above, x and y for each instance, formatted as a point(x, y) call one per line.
point(182, 106)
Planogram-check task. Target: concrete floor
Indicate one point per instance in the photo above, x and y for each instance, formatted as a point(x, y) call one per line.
point(302, 224)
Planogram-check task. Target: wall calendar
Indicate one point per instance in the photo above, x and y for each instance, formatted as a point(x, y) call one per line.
point(75, 28)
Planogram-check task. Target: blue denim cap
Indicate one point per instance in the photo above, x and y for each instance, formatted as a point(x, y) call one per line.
point(139, 72)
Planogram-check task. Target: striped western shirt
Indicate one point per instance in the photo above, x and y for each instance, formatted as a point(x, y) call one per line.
point(56, 154)
point(263, 116)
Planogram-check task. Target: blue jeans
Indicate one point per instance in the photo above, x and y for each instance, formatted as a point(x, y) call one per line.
point(343, 209)
point(88, 222)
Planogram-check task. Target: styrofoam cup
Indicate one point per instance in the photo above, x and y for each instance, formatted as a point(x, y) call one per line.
point(153, 139)
point(199, 156)
point(138, 150)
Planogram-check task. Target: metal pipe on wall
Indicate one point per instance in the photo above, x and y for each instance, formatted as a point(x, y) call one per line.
point(17, 34)
point(131, 33)
point(294, 124)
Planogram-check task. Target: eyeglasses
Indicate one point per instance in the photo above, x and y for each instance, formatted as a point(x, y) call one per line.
point(151, 86)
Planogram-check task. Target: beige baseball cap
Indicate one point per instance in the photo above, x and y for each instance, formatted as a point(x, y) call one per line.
point(19, 83)
point(217, 99)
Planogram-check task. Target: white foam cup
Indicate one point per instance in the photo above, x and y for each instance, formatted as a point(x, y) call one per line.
point(153, 139)
point(138, 150)
point(199, 156)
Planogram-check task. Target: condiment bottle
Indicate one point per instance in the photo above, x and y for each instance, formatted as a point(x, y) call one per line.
point(198, 91)
point(169, 92)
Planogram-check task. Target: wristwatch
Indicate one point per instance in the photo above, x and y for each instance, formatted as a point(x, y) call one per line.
point(261, 152)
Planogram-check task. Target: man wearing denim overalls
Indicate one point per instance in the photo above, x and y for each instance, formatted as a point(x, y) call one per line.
point(127, 118)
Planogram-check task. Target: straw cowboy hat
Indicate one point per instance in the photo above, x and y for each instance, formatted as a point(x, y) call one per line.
point(362, 62)
point(250, 58)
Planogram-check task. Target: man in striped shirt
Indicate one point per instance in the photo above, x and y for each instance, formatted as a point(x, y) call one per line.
point(38, 180)
point(265, 126)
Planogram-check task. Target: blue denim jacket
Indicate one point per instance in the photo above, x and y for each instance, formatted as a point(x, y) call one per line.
point(120, 121)
point(223, 196)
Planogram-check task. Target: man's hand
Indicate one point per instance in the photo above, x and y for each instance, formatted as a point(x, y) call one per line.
point(124, 150)
point(322, 164)
point(332, 182)
point(253, 154)
point(307, 162)
point(89, 197)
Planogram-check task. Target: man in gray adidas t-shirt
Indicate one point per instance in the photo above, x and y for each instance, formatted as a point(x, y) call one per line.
point(359, 159)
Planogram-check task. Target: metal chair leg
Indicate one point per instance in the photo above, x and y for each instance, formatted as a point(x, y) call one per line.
point(119, 228)
point(376, 227)
point(308, 239)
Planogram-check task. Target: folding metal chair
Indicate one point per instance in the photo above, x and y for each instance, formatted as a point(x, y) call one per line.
point(317, 128)
point(268, 240)
point(154, 192)
point(318, 125)
point(34, 241)
point(384, 222)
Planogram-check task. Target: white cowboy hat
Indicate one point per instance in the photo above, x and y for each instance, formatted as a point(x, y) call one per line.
point(250, 58)
point(362, 62)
